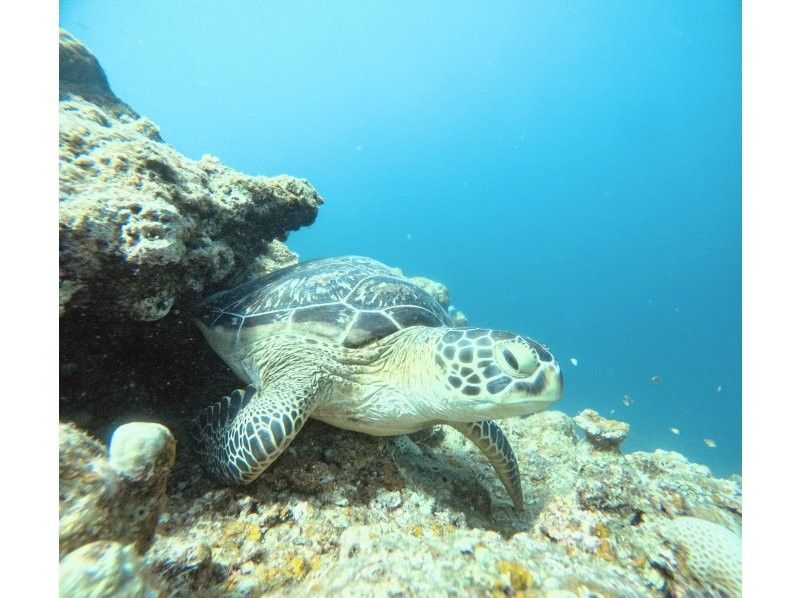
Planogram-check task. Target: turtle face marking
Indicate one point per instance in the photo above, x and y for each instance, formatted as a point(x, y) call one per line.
point(510, 374)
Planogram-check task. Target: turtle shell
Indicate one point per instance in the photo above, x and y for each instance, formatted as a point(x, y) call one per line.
point(349, 300)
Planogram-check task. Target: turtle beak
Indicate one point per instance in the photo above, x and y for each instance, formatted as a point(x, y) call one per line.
point(538, 392)
point(555, 382)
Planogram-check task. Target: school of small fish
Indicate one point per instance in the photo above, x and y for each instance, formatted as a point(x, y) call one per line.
point(627, 400)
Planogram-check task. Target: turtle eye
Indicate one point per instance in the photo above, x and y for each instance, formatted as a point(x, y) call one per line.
point(517, 359)
point(510, 359)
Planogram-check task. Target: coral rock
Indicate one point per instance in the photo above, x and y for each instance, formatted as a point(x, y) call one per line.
point(104, 569)
point(142, 226)
point(80, 74)
point(145, 234)
point(707, 558)
point(117, 499)
point(142, 451)
point(604, 434)
point(186, 568)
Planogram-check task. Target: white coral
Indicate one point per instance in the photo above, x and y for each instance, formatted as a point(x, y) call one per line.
point(138, 449)
point(711, 553)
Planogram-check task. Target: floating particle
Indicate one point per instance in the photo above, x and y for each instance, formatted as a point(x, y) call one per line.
point(573, 361)
point(710, 443)
point(719, 387)
point(675, 431)
point(627, 400)
point(612, 412)
point(655, 379)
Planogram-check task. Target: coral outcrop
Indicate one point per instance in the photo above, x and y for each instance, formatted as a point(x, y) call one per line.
point(143, 226)
point(116, 496)
point(146, 232)
point(603, 434)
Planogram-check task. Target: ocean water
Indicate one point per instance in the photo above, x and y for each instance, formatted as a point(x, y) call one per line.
point(570, 170)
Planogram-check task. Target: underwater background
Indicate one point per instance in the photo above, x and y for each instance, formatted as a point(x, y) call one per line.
point(570, 170)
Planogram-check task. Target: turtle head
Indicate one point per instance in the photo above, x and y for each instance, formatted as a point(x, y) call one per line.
point(496, 374)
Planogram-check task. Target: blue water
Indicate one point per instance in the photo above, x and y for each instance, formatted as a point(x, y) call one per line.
point(571, 170)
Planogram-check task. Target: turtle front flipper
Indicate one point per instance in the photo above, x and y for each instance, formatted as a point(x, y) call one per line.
point(239, 437)
point(489, 438)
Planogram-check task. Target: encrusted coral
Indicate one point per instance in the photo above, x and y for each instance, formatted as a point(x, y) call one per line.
point(604, 434)
point(439, 292)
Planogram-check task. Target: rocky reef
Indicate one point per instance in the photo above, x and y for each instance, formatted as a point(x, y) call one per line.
point(143, 226)
point(145, 232)
point(344, 513)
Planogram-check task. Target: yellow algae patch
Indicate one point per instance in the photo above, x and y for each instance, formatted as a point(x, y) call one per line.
point(604, 548)
point(299, 567)
point(600, 530)
point(295, 569)
point(241, 530)
point(520, 577)
point(231, 537)
point(435, 528)
point(605, 551)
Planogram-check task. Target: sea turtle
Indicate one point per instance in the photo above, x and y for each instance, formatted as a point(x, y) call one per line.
point(353, 343)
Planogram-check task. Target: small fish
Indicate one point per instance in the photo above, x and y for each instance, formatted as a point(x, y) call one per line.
point(675, 431)
point(627, 401)
point(612, 412)
point(573, 361)
point(719, 387)
point(655, 379)
point(710, 443)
